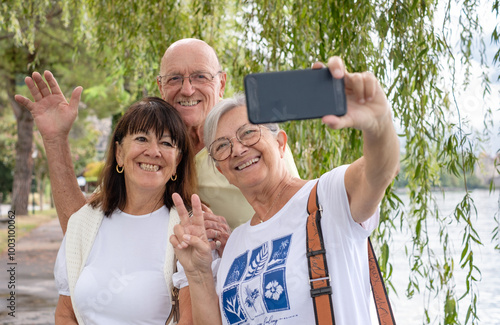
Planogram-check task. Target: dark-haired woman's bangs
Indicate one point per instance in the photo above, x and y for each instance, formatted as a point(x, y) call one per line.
point(145, 121)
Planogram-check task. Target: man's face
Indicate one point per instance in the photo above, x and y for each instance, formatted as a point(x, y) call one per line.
point(193, 102)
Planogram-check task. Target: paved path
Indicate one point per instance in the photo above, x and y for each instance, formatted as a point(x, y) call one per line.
point(35, 292)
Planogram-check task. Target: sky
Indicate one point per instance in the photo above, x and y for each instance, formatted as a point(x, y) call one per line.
point(470, 102)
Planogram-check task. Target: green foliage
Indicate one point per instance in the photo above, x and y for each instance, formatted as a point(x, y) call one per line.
point(396, 40)
point(447, 179)
point(41, 42)
point(381, 36)
point(93, 170)
point(83, 138)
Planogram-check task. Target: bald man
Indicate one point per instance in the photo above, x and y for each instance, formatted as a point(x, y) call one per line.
point(194, 100)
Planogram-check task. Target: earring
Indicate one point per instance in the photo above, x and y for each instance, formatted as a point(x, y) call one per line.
point(119, 170)
point(173, 177)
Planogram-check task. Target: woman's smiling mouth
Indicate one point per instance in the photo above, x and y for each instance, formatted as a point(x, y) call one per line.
point(248, 163)
point(149, 167)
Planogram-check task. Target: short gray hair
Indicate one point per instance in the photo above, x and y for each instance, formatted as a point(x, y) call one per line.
point(221, 108)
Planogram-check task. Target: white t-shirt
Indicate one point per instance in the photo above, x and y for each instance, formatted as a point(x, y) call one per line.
point(263, 275)
point(123, 280)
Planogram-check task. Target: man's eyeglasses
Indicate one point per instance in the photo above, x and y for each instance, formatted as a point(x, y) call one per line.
point(248, 135)
point(195, 79)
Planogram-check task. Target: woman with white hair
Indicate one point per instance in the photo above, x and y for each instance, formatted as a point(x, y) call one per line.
point(264, 273)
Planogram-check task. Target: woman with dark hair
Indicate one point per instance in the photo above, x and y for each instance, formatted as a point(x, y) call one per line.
point(115, 264)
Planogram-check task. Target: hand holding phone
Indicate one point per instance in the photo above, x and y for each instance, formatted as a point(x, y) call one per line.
point(274, 97)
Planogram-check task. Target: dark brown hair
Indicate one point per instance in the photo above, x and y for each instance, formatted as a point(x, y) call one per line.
point(155, 115)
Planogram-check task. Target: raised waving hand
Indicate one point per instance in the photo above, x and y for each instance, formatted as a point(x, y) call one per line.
point(52, 113)
point(54, 117)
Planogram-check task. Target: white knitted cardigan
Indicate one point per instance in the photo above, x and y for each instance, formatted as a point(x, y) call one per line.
point(82, 230)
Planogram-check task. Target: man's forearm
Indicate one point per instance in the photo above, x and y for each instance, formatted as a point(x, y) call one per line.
point(68, 198)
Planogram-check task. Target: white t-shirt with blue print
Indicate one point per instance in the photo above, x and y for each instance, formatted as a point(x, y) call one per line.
point(263, 276)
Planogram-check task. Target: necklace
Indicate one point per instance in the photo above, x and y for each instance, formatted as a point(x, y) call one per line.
point(274, 202)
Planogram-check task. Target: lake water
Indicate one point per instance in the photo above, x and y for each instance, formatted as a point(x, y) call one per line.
point(411, 312)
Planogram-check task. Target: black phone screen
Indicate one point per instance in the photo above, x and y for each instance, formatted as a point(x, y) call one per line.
point(293, 95)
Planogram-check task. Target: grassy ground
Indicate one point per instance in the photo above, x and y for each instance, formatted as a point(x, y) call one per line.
point(24, 224)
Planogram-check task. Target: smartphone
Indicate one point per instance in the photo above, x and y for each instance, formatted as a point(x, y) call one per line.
point(274, 97)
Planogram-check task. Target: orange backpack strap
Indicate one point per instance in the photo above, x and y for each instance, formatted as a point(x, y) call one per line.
point(384, 310)
point(321, 291)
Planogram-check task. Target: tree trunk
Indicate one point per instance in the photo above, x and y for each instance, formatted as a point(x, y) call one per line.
point(41, 189)
point(24, 161)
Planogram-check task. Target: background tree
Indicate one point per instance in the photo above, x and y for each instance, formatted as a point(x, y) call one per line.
point(397, 40)
point(15, 57)
point(7, 152)
point(33, 37)
point(18, 61)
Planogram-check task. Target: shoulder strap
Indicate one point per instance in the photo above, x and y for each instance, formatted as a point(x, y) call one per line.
point(321, 291)
point(174, 316)
point(318, 271)
point(384, 310)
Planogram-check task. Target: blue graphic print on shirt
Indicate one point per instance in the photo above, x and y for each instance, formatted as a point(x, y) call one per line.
point(257, 286)
point(258, 261)
point(232, 306)
point(237, 269)
point(280, 252)
point(275, 293)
